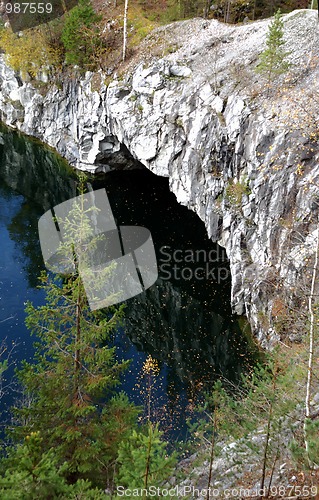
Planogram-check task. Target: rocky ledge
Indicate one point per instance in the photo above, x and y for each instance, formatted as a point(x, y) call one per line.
point(242, 156)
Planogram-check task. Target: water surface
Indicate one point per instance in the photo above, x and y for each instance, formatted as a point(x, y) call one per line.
point(184, 321)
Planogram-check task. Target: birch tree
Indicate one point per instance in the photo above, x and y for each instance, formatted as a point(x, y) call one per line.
point(125, 30)
point(312, 320)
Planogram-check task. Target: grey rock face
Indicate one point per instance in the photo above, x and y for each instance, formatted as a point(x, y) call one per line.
point(245, 162)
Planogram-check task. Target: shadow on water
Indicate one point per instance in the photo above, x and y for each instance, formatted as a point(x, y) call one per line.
point(184, 321)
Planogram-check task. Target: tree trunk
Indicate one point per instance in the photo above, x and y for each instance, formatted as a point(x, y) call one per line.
point(272, 473)
point(125, 29)
point(148, 457)
point(311, 347)
point(227, 12)
point(269, 422)
point(206, 10)
point(212, 454)
point(78, 338)
point(254, 10)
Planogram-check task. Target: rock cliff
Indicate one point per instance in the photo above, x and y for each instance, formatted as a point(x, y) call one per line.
point(244, 157)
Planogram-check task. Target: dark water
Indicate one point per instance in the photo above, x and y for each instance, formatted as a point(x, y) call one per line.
point(184, 321)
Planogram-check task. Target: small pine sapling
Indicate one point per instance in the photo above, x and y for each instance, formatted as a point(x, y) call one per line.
point(272, 61)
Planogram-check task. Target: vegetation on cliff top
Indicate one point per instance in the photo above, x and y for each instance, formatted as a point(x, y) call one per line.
point(90, 35)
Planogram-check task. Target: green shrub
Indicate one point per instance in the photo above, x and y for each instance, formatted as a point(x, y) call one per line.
point(236, 191)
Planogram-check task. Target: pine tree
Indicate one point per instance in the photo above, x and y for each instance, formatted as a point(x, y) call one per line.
point(70, 386)
point(29, 472)
point(143, 459)
point(79, 47)
point(273, 60)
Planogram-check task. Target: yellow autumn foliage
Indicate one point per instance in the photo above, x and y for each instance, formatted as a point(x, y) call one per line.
point(28, 52)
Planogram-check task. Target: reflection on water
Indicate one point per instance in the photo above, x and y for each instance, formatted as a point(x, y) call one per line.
point(184, 321)
point(19, 266)
point(34, 170)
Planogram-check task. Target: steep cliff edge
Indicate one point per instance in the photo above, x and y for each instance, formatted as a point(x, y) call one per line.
point(244, 158)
